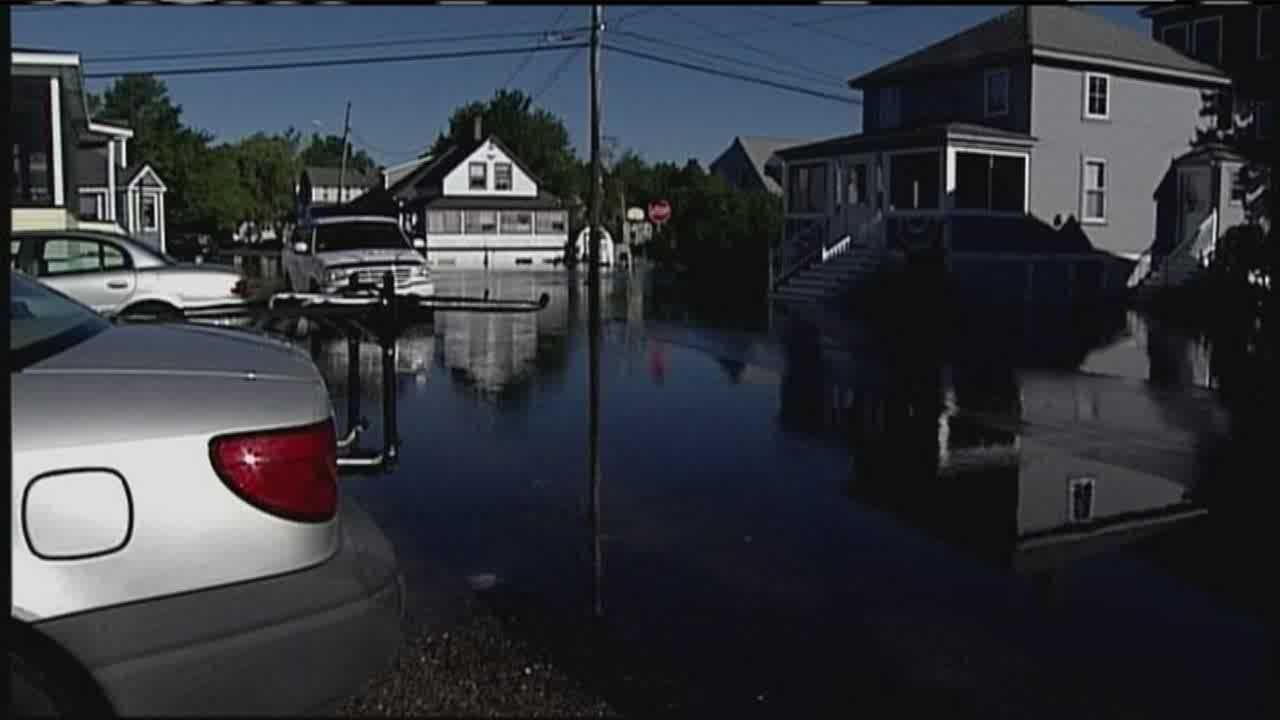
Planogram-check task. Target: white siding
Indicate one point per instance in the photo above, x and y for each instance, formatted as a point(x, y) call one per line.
point(457, 182)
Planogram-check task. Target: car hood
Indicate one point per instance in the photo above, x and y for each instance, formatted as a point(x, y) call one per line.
point(356, 258)
point(182, 349)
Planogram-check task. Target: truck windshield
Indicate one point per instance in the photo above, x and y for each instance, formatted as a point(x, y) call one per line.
point(360, 236)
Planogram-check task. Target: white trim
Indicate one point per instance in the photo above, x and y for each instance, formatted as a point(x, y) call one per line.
point(124, 154)
point(114, 130)
point(1026, 178)
point(144, 170)
point(989, 140)
point(91, 189)
point(55, 125)
point(1085, 160)
point(111, 180)
point(1089, 75)
point(41, 58)
point(1195, 24)
point(1008, 91)
point(1186, 49)
point(1258, 52)
point(1125, 65)
point(160, 218)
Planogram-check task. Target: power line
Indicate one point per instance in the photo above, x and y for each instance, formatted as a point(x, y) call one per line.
point(637, 13)
point(772, 55)
point(281, 50)
point(382, 150)
point(811, 27)
point(524, 63)
point(739, 61)
point(556, 73)
point(335, 63)
point(735, 76)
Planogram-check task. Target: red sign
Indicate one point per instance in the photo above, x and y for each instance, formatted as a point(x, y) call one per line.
point(659, 211)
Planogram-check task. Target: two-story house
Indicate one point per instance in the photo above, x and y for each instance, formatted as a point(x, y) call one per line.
point(1240, 40)
point(329, 185)
point(114, 194)
point(478, 206)
point(48, 113)
point(1045, 128)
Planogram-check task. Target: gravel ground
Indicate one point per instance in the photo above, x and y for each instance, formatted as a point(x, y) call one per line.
point(475, 669)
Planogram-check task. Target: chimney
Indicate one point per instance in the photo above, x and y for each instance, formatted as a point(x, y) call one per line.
point(477, 122)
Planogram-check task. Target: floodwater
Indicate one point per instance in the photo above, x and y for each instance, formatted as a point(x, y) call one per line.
point(805, 517)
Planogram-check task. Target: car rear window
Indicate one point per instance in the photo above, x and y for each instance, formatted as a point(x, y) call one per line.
point(42, 322)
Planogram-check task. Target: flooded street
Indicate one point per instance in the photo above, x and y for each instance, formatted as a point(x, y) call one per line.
point(829, 516)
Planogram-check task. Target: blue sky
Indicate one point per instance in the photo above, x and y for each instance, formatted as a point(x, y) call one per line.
point(665, 113)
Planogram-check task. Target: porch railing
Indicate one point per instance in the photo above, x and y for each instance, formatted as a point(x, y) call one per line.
point(1194, 252)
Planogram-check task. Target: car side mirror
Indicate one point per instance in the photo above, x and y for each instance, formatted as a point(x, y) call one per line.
point(301, 248)
point(419, 243)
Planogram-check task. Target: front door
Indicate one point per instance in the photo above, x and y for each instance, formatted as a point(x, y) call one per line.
point(1195, 200)
point(858, 194)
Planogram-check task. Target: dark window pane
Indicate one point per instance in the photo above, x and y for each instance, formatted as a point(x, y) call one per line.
point(113, 258)
point(502, 176)
point(478, 176)
point(1176, 37)
point(914, 181)
point(32, 131)
point(1008, 183)
point(1208, 45)
point(972, 181)
point(88, 206)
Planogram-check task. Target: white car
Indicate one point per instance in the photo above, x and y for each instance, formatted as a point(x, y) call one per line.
point(324, 254)
point(117, 275)
point(178, 540)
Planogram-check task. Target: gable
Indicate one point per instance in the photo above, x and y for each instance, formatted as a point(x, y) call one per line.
point(145, 176)
point(490, 155)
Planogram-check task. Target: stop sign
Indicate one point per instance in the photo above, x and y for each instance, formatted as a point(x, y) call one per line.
point(659, 211)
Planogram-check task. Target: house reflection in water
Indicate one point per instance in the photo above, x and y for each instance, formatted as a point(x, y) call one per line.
point(415, 348)
point(1029, 468)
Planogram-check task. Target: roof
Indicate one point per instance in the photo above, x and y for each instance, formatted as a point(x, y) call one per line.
point(544, 201)
point(425, 183)
point(131, 173)
point(903, 137)
point(1212, 151)
point(1026, 29)
point(331, 176)
point(759, 149)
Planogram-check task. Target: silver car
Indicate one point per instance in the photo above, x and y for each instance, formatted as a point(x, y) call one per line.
point(117, 275)
point(178, 542)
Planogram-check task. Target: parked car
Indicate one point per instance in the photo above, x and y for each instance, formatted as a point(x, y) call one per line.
point(179, 543)
point(117, 275)
point(325, 253)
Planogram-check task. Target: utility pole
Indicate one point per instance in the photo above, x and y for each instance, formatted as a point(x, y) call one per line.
point(342, 174)
point(593, 318)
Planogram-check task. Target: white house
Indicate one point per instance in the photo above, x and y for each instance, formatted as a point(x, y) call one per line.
point(328, 186)
point(478, 206)
point(113, 193)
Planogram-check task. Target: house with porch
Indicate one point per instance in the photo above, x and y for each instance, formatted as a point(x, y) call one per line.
point(751, 163)
point(478, 207)
point(113, 194)
point(1043, 132)
point(48, 112)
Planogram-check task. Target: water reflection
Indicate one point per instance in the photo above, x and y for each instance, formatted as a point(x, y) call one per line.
point(415, 353)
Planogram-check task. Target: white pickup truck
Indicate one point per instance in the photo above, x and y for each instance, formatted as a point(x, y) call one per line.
point(323, 254)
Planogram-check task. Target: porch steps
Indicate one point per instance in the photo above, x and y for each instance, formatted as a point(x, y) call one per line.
point(822, 282)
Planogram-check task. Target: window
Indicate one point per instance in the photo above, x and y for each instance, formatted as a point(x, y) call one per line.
point(858, 185)
point(996, 92)
point(478, 178)
point(517, 222)
point(67, 257)
point(808, 189)
point(1094, 197)
point(502, 176)
point(1266, 32)
point(150, 211)
point(38, 315)
point(359, 235)
point(990, 182)
point(31, 115)
point(1175, 36)
point(1237, 187)
point(478, 222)
point(914, 181)
point(113, 258)
point(890, 107)
point(1097, 96)
point(90, 206)
point(1207, 40)
point(552, 222)
point(444, 222)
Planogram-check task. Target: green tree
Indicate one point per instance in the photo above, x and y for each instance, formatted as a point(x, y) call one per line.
point(268, 169)
point(326, 151)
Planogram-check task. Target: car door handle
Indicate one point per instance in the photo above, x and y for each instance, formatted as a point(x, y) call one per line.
point(117, 284)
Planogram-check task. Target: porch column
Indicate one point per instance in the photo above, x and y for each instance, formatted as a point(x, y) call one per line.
point(111, 181)
point(55, 124)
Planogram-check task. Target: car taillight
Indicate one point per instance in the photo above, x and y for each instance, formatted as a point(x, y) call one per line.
point(289, 473)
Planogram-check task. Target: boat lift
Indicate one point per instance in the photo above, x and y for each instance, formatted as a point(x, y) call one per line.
point(371, 309)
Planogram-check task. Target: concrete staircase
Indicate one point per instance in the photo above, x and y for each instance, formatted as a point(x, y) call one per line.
point(825, 281)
